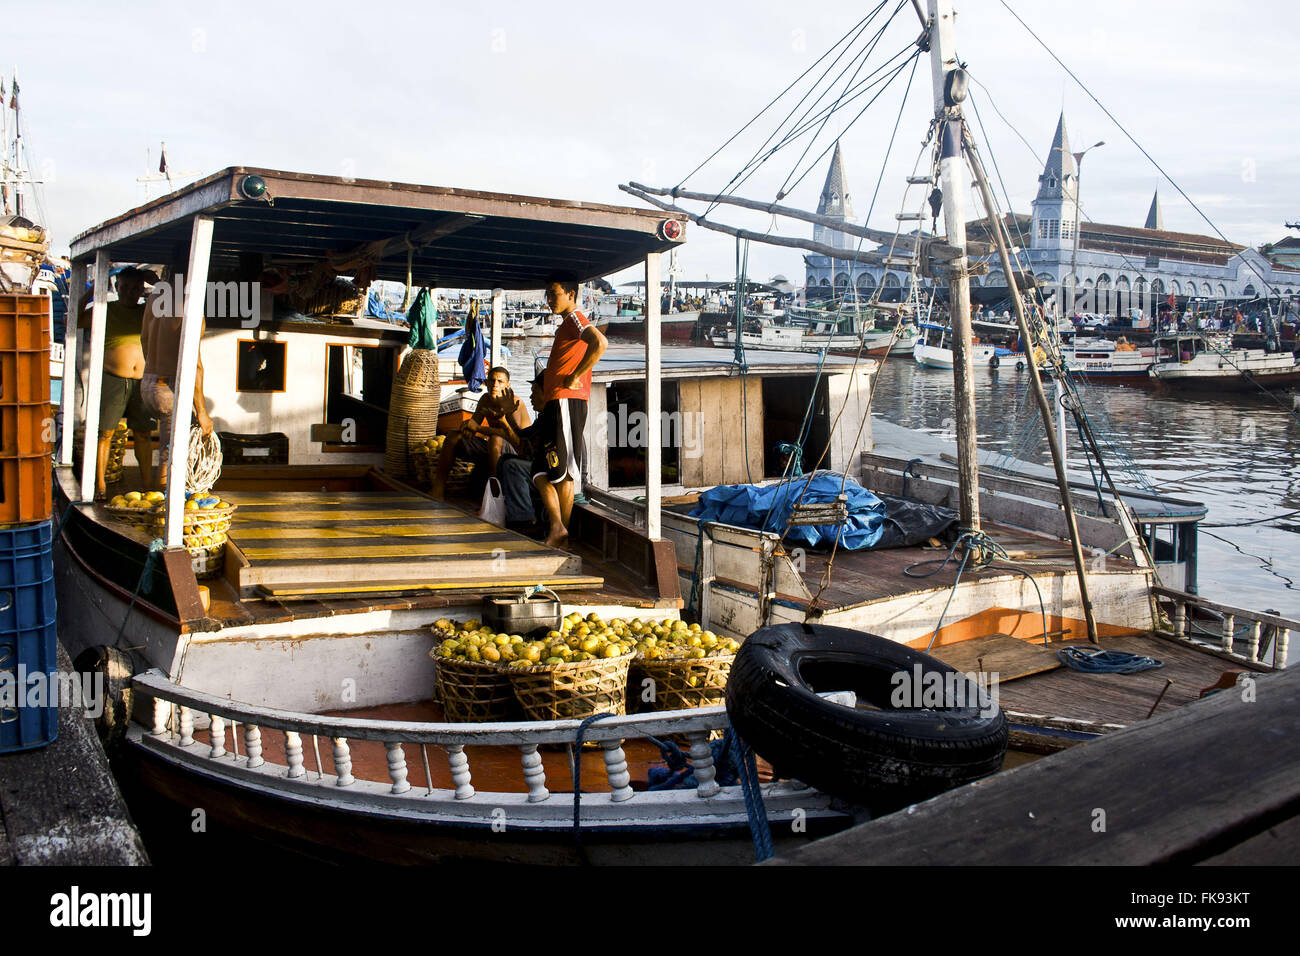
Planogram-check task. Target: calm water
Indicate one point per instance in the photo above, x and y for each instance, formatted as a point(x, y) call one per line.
point(1239, 454)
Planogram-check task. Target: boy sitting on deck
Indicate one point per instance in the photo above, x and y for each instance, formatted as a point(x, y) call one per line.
point(479, 443)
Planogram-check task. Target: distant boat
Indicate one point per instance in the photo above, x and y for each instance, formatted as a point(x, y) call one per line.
point(1197, 360)
point(934, 349)
point(1112, 361)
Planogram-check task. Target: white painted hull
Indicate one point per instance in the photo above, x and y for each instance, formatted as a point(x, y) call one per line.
point(931, 356)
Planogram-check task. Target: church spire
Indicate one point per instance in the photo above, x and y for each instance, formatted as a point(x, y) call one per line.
point(1058, 181)
point(1155, 217)
point(835, 200)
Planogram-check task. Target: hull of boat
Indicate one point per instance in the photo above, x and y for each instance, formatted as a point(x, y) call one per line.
point(929, 356)
point(317, 826)
point(1231, 379)
point(675, 327)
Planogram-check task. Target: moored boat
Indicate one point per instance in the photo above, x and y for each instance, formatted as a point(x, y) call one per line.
point(1194, 360)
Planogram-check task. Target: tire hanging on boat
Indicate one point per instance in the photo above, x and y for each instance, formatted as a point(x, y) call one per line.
point(882, 758)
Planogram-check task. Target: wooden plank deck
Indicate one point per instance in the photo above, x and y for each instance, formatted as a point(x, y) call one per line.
point(311, 543)
point(1215, 782)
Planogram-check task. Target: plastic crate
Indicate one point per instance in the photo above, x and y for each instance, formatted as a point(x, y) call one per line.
point(268, 449)
point(28, 638)
point(26, 577)
point(24, 429)
point(24, 323)
point(24, 377)
point(25, 489)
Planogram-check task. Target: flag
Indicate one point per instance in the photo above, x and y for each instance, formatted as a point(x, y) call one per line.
point(162, 160)
point(13, 97)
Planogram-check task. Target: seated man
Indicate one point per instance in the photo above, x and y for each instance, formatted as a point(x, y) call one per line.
point(516, 471)
point(497, 406)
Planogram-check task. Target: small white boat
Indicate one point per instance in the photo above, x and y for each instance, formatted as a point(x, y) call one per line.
point(1111, 361)
point(1197, 360)
point(933, 349)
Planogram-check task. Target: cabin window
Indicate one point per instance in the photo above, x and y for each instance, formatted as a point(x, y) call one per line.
point(358, 383)
point(784, 407)
point(625, 426)
point(260, 366)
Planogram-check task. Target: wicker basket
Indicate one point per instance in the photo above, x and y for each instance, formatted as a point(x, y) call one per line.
point(460, 476)
point(201, 521)
point(574, 690)
point(140, 517)
point(412, 410)
point(116, 453)
point(208, 562)
point(473, 692)
point(685, 683)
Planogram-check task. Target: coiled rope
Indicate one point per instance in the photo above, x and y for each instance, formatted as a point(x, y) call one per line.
point(1106, 662)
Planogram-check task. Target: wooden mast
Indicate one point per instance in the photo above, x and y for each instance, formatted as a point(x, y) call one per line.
point(949, 91)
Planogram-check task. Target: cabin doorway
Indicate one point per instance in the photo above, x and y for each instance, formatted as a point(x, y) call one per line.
point(625, 410)
point(784, 410)
point(358, 385)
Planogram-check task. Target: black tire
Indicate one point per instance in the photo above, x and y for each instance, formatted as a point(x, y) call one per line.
point(995, 361)
point(1020, 365)
point(883, 758)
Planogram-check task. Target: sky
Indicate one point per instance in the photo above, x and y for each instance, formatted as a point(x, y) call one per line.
point(569, 99)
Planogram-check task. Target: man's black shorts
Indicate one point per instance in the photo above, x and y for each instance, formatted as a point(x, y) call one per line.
point(563, 451)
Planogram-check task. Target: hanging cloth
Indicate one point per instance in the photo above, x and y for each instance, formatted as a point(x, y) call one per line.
point(473, 351)
point(423, 317)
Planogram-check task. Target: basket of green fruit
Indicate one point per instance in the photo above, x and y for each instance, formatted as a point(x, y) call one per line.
point(684, 665)
point(574, 672)
point(469, 679)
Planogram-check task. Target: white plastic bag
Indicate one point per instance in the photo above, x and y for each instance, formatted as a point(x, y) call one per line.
point(494, 504)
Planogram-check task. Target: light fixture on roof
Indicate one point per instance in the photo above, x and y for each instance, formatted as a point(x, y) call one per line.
point(670, 229)
point(254, 187)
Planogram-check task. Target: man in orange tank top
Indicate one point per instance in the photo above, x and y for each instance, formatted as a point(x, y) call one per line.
point(566, 389)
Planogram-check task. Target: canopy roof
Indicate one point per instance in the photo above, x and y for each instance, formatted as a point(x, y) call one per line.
point(462, 238)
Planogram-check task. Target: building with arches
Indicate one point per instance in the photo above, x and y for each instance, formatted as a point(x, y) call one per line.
point(1121, 269)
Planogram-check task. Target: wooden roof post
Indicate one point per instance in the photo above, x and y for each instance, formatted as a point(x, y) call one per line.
point(498, 308)
point(196, 286)
point(653, 399)
point(71, 363)
point(94, 377)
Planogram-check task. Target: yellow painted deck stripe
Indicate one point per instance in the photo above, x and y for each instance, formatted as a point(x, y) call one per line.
point(555, 582)
point(365, 552)
point(370, 531)
point(332, 516)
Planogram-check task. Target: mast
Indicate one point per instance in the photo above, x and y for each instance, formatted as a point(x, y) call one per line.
point(949, 92)
point(18, 144)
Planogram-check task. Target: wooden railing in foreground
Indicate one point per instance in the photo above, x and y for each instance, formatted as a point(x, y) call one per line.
point(1184, 626)
point(175, 709)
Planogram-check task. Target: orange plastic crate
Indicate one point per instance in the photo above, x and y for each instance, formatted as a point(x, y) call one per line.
point(24, 377)
point(25, 490)
point(24, 323)
point(24, 430)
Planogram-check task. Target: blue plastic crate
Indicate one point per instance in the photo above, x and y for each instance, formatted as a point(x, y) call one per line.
point(26, 577)
point(29, 686)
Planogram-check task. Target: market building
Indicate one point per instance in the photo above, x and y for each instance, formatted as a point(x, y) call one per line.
point(1117, 269)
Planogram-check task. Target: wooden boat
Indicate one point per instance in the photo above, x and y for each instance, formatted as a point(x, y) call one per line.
point(295, 701)
point(1109, 361)
point(933, 349)
point(1194, 360)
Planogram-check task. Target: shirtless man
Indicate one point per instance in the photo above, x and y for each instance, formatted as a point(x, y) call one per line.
point(123, 365)
point(161, 338)
point(498, 405)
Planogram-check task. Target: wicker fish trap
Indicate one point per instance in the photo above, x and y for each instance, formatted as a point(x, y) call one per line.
point(116, 454)
point(472, 691)
point(572, 690)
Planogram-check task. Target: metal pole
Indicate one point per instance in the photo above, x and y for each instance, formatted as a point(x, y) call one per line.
point(498, 314)
point(1036, 383)
point(653, 431)
point(947, 110)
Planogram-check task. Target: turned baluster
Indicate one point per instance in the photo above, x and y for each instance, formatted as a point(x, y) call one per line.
point(397, 767)
point(342, 762)
point(293, 754)
point(1180, 618)
point(1229, 631)
point(253, 745)
point(459, 765)
point(1279, 647)
point(1252, 643)
point(706, 783)
point(534, 773)
point(217, 736)
point(616, 770)
point(187, 727)
point(160, 713)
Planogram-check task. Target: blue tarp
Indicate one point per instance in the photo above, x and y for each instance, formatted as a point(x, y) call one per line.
point(376, 307)
point(769, 507)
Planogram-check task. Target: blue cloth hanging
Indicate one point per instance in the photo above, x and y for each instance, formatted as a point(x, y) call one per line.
point(473, 352)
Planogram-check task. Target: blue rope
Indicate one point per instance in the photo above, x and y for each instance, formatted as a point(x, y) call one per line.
point(575, 769)
point(155, 547)
point(743, 758)
point(1106, 662)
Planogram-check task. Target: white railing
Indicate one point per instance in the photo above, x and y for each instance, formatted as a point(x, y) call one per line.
point(1184, 627)
point(230, 722)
